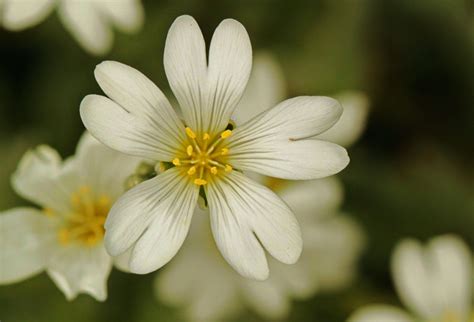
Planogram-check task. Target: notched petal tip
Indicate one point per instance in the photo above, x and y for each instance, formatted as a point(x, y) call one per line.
point(183, 19)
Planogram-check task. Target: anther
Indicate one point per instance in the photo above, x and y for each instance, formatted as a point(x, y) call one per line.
point(200, 182)
point(176, 162)
point(192, 171)
point(213, 170)
point(226, 134)
point(206, 136)
point(189, 150)
point(228, 168)
point(224, 151)
point(190, 133)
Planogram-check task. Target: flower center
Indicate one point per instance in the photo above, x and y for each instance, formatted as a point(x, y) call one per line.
point(204, 156)
point(85, 224)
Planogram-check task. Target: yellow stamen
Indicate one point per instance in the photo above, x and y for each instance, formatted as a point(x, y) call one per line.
point(189, 150)
point(224, 151)
point(206, 136)
point(190, 133)
point(200, 182)
point(213, 170)
point(176, 162)
point(228, 168)
point(226, 134)
point(192, 171)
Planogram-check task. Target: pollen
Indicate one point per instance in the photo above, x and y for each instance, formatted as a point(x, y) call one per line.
point(226, 134)
point(189, 150)
point(200, 182)
point(190, 133)
point(85, 223)
point(203, 155)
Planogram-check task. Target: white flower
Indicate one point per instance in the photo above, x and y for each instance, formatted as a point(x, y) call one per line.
point(331, 240)
point(153, 218)
point(89, 21)
point(65, 237)
point(433, 282)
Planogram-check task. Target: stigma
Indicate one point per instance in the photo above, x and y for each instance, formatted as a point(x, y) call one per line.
point(204, 156)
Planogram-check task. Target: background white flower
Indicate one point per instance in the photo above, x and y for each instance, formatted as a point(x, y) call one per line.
point(247, 218)
point(89, 21)
point(434, 283)
point(332, 241)
point(65, 237)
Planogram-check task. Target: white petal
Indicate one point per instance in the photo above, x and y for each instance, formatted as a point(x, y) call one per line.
point(26, 236)
point(274, 143)
point(164, 202)
point(434, 280)
point(242, 211)
point(294, 160)
point(102, 169)
point(412, 278)
point(380, 313)
point(20, 14)
point(76, 269)
point(165, 235)
point(207, 96)
point(124, 131)
point(139, 96)
point(122, 261)
point(87, 25)
point(38, 178)
point(230, 63)
point(313, 199)
point(451, 264)
point(333, 241)
point(267, 298)
point(266, 87)
point(352, 122)
point(211, 292)
point(127, 15)
point(185, 66)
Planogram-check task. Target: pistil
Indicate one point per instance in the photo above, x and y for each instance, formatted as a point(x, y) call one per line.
point(204, 156)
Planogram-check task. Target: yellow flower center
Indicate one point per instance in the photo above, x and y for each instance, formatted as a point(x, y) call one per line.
point(85, 224)
point(204, 157)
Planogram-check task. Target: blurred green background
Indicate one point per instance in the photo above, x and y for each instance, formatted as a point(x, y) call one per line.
point(411, 173)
